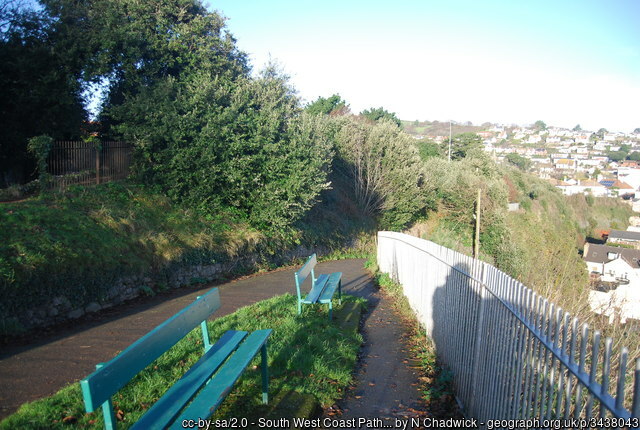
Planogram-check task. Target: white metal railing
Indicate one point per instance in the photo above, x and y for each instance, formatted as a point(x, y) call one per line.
point(514, 355)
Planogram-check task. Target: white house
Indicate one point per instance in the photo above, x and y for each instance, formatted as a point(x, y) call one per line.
point(629, 175)
point(615, 274)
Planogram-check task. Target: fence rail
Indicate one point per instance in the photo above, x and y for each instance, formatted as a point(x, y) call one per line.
point(514, 355)
point(78, 162)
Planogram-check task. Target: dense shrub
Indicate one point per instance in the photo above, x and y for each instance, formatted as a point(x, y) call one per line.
point(244, 145)
point(386, 170)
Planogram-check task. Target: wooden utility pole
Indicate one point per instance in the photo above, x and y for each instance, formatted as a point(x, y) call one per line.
point(449, 141)
point(476, 245)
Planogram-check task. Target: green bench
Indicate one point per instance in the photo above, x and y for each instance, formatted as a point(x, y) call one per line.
point(322, 288)
point(205, 384)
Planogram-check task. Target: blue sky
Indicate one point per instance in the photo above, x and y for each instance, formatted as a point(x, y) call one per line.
point(565, 62)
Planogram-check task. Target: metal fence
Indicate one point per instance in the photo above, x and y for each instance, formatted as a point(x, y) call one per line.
point(514, 355)
point(79, 162)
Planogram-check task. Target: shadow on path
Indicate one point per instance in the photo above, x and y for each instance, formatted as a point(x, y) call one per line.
point(385, 384)
point(30, 371)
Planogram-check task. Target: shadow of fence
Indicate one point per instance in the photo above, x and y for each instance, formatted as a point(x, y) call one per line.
point(514, 355)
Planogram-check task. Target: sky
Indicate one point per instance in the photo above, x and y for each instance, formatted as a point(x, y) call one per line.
point(511, 62)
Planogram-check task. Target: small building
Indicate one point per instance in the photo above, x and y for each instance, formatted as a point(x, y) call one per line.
point(615, 281)
point(622, 237)
point(617, 188)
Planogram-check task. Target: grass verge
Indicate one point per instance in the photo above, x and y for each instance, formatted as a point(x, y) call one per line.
point(311, 361)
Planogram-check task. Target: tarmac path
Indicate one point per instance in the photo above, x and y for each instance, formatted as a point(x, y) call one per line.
point(385, 385)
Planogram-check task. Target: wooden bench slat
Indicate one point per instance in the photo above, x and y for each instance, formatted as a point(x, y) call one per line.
point(330, 287)
point(316, 291)
point(173, 400)
point(208, 400)
point(98, 387)
point(304, 271)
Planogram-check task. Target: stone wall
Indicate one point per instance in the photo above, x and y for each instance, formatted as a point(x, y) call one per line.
point(60, 308)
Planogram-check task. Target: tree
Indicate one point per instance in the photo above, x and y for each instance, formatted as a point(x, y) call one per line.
point(428, 149)
point(600, 133)
point(637, 130)
point(377, 114)
point(616, 155)
point(137, 48)
point(41, 93)
point(540, 125)
point(634, 156)
point(577, 128)
point(386, 170)
point(205, 133)
point(333, 105)
point(244, 145)
point(463, 144)
point(519, 161)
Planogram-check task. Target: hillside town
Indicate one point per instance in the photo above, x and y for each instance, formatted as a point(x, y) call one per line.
point(601, 164)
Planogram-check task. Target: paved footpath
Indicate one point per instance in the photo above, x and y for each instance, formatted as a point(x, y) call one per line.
point(385, 385)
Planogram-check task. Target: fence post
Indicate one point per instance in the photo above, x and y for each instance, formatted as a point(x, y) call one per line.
point(98, 147)
point(473, 406)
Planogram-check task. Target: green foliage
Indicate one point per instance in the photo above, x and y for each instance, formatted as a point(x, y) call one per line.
point(378, 114)
point(601, 132)
point(308, 355)
point(634, 156)
point(205, 133)
point(577, 128)
point(242, 145)
point(616, 155)
point(589, 199)
point(465, 144)
point(385, 168)
point(428, 148)
point(333, 105)
point(519, 161)
point(79, 243)
point(40, 147)
point(40, 93)
point(540, 125)
point(454, 187)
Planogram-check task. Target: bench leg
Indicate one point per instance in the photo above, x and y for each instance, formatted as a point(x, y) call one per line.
point(107, 410)
point(265, 375)
point(299, 307)
point(340, 292)
point(330, 310)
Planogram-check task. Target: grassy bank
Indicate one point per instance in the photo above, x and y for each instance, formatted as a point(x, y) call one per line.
point(309, 356)
point(78, 243)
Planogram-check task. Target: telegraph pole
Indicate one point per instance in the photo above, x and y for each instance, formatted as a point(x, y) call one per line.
point(476, 245)
point(449, 141)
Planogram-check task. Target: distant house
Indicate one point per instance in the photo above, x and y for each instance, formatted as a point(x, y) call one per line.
point(622, 237)
point(615, 281)
point(617, 188)
point(592, 187)
point(629, 174)
point(565, 163)
point(533, 139)
point(630, 163)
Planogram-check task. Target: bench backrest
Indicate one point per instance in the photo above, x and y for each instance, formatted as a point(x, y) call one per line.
point(302, 274)
point(98, 387)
